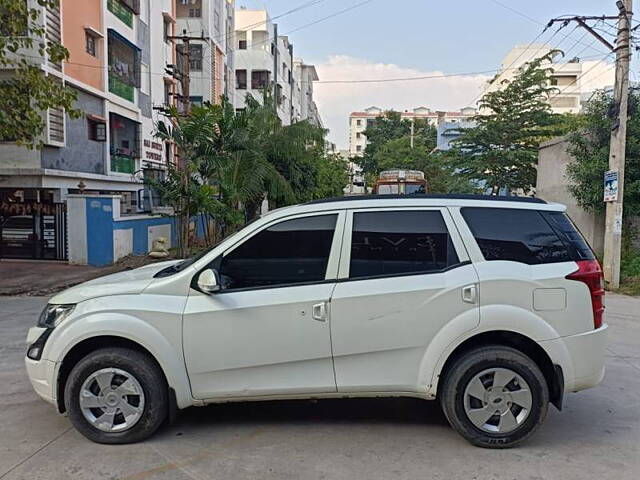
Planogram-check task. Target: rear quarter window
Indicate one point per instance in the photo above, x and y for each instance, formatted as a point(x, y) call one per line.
point(577, 245)
point(516, 235)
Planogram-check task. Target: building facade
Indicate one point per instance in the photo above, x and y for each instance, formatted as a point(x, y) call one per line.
point(264, 61)
point(359, 121)
point(570, 78)
point(118, 53)
point(211, 57)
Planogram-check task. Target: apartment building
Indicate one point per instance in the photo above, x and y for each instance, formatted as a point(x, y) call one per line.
point(119, 50)
point(359, 121)
point(304, 106)
point(210, 57)
point(118, 53)
point(264, 60)
point(571, 77)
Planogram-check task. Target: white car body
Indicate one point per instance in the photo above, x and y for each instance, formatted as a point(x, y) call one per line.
point(386, 336)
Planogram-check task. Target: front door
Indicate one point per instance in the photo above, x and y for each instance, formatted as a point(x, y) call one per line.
point(267, 332)
point(405, 274)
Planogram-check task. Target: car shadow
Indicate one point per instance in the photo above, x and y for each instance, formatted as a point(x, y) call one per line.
point(405, 411)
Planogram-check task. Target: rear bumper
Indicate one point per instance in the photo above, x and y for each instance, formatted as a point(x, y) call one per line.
point(581, 358)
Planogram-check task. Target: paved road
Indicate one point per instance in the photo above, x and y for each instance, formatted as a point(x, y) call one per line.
point(596, 436)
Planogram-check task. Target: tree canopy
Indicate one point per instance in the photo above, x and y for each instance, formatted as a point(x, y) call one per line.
point(502, 149)
point(389, 127)
point(25, 90)
point(229, 161)
point(590, 150)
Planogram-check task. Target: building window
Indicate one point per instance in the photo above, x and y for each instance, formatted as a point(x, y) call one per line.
point(124, 66)
point(90, 44)
point(359, 123)
point(125, 143)
point(241, 79)
point(358, 135)
point(97, 129)
point(259, 79)
point(195, 57)
point(196, 101)
point(242, 45)
point(358, 148)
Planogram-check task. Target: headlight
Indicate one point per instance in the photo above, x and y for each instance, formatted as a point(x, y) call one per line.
point(52, 315)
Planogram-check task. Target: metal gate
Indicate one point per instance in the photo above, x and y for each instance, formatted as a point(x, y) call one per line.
point(33, 230)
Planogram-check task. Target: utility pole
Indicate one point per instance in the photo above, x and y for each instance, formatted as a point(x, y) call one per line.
point(185, 78)
point(413, 123)
point(617, 146)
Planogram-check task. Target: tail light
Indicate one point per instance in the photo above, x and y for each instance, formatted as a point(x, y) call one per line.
point(590, 273)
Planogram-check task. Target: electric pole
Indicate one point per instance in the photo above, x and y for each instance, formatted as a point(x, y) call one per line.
point(617, 146)
point(185, 75)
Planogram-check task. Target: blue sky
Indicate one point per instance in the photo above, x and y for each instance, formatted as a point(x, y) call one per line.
point(408, 37)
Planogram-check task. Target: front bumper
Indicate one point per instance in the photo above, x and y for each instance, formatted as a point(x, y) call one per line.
point(42, 373)
point(581, 358)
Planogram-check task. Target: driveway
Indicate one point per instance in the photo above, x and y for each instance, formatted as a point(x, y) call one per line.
point(596, 436)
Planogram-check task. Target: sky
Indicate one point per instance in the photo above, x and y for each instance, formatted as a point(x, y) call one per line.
point(383, 39)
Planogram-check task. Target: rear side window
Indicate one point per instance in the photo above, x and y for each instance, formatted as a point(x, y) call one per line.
point(578, 246)
point(515, 235)
point(399, 243)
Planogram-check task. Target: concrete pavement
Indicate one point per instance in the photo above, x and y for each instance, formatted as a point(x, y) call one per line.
point(596, 436)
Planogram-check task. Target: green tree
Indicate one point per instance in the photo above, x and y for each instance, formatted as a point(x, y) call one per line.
point(391, 126)
point(440, 176)
point(25, 90)
point(590, 150)
point(502, 149)
point(331, 176)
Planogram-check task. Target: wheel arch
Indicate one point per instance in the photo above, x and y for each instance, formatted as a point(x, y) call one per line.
point(552, 372)
point(81, 338)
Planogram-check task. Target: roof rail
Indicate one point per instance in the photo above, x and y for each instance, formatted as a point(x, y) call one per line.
point(428, 196)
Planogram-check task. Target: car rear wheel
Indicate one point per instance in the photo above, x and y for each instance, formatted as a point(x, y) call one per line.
point(495, 396)
point(116, 395)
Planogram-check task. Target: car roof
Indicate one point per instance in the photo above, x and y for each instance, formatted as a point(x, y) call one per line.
point(414, 200)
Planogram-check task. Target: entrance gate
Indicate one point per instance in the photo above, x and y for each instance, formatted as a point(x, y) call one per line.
point(33, 230)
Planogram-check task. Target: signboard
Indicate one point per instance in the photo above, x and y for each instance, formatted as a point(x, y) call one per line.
point(611, 186)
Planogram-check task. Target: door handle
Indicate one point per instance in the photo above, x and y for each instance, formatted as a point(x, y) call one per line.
point(470, 294)
point(319, 312)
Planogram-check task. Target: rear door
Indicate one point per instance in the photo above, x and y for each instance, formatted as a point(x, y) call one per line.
point(404, 274)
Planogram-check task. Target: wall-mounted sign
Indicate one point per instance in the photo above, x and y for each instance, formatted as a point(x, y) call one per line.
point(153, 150)
point(611, 186)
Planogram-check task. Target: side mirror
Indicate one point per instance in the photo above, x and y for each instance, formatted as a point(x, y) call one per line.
point(208, 281)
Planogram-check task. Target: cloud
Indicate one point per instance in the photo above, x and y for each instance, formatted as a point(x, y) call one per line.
point(335, 101)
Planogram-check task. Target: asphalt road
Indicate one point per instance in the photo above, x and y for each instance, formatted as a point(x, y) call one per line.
point(596, 436)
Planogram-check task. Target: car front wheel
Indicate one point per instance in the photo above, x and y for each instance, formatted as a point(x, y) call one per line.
point(116, 395)
point(495, 396)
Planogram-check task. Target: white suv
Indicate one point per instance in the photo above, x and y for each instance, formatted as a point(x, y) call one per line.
point(492, 307)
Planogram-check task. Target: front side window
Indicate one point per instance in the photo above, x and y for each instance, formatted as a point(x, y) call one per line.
point(516, 235)
point(393, 243)
point(288, 253)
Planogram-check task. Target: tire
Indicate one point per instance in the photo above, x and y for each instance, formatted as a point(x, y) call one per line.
point(115, 381)
point(506, 415)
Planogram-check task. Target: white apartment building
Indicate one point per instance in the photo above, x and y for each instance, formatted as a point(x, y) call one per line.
point(304, 107)
point(570, 77)
point(264, 60)
point(211, 59)
point(358, 122)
